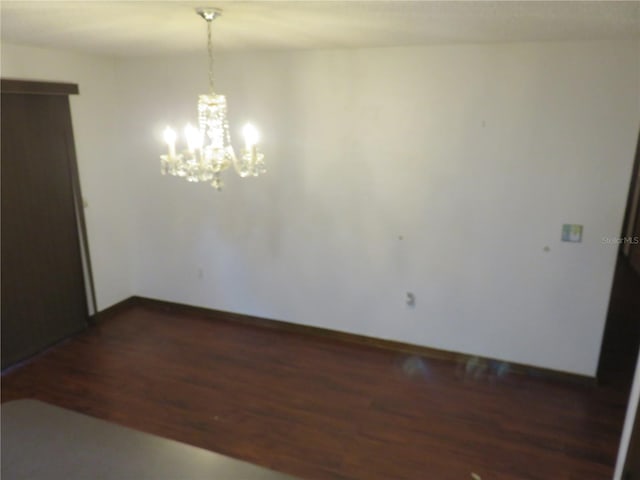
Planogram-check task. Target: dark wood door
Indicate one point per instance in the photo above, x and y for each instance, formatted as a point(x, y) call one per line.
point(43, 291)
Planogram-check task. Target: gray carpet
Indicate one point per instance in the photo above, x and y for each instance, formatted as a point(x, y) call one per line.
point(41, 441)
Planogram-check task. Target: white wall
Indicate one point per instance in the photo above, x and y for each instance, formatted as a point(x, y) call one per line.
point(474, 155)
point(103, 177)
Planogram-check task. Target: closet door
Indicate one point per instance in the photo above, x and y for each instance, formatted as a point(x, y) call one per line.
point(43, 292)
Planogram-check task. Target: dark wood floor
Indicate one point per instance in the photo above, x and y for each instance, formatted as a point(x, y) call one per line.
point(321, 408)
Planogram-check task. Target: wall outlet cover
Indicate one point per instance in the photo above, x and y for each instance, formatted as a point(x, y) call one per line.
point(571, 233)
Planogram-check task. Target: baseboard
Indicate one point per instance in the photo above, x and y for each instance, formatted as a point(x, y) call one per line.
point(396, 346)
point(115, 309)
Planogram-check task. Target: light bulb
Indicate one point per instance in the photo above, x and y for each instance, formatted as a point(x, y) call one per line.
point(169, 136)
point(251, 136)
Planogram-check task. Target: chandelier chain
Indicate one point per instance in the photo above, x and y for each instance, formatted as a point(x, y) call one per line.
point(210, 52)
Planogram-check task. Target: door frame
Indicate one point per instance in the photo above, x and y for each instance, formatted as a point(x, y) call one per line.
point(628, 429)
point(632, 209)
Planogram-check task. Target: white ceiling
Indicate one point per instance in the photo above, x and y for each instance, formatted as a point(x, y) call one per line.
point(132, 28)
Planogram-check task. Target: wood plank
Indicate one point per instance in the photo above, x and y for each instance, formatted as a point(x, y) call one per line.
point(318, 407)
point(396, 346)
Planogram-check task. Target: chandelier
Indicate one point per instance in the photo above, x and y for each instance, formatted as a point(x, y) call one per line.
point(209, 151)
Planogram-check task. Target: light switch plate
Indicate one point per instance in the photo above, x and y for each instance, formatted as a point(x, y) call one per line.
point(571, 233)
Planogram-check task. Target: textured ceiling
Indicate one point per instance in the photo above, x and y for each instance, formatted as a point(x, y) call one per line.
point(132, 28)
